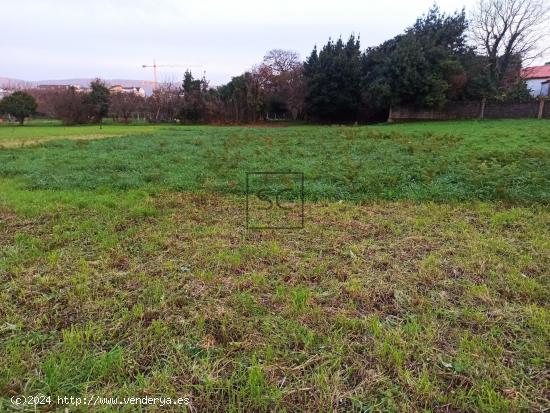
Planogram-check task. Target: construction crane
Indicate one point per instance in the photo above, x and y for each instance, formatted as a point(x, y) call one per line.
point(154, 66)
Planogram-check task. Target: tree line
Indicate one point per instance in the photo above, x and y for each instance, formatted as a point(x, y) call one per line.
point(441, 58)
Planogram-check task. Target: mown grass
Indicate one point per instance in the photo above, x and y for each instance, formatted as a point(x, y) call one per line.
point(125, 269)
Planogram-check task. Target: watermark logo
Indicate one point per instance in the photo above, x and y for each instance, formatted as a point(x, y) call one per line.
point(274, 200)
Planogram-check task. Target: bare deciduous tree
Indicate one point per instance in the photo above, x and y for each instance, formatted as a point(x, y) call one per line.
point(509, 32)
point(281, 61)
point(280, 78)
point(70, 106)
point(164, 103)
point(124, 105)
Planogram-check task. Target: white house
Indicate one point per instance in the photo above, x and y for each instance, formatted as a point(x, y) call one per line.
point(537, 79)
point(136, 90)
point(4, 93)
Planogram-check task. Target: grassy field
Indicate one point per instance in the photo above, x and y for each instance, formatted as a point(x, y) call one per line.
point(419, 283)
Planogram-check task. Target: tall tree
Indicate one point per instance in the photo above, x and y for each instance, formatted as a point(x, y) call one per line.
point(422, 67)
point(242, 98)
point(333, 78)
point(281, 61)
point(508, 32)
point(98, 100)
point(194, 92)
point(280, 78)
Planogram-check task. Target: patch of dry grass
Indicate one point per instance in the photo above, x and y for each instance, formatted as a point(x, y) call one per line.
point(20, 143)
point(386, 306)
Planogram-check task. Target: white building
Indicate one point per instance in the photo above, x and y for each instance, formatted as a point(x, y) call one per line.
point(4, 93)
point(136, 90)
point(537, 79)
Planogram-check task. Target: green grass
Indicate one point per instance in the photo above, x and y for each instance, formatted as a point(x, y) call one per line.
point(469, 161)
point(420, 281)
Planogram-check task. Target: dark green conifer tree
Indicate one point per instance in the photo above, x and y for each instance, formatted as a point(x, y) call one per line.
point(98, 100)
point(333, 79)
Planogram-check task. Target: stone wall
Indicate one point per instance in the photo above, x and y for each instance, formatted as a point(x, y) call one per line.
point(472, 110)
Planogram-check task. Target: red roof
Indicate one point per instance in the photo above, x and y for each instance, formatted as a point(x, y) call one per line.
point(536, 72)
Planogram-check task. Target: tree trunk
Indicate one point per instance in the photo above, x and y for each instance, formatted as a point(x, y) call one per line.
point(482, 114)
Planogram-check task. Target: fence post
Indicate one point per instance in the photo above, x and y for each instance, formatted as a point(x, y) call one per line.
point(541, 107)
point(389, 116)
point(482, 113)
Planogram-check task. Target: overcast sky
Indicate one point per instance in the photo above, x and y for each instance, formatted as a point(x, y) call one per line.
point(59, 39)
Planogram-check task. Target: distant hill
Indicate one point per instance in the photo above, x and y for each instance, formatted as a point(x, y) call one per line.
point(19, 83)
point(11, 82)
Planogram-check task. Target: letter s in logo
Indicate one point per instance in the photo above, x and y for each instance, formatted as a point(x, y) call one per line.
point(263, 195)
